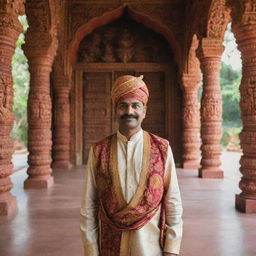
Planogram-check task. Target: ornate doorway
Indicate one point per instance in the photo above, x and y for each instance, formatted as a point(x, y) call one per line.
point(124, 47)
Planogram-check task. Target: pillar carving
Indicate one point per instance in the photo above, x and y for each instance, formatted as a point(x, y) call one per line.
point(40, 49)
point(39, 122)
point(191, 114)
point(61, 139)
point(191, 122)
point(245, 33)
point(10, 28)
point(211, 108)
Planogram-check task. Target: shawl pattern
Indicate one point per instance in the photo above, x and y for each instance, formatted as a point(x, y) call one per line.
point(116, 215)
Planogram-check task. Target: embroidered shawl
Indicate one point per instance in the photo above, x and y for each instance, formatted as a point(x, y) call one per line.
point(116, 215)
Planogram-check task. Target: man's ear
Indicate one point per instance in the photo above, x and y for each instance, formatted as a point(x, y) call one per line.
point(145, 110)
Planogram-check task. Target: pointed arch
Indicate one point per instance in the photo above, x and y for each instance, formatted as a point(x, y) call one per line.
point(112, 15)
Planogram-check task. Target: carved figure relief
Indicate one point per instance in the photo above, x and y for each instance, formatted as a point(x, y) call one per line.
point(108, 55)
point(124, 41)
point(6, 94)
point(248, 99)
point(90, 52)
point(41, 108)
point(249, 12)
point(191, 110)
point(61, 115)
point(125, 50)
point(211, 108)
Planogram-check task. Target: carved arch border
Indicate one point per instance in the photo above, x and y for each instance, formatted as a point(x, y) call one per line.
point(112, 15)
point(219, 16)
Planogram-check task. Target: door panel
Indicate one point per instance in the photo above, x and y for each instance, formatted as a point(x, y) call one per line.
point(155, 117)
point(96, 108)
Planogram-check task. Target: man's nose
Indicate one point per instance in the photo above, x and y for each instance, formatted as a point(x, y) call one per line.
point(129, 110)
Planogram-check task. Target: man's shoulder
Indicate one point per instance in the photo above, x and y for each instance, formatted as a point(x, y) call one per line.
point(102, 142)
point(158, 138)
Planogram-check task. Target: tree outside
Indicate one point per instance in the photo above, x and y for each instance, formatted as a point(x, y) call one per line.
point(20, 76)
point(230, 78)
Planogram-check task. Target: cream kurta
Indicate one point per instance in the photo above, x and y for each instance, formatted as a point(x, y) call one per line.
point(144, 241)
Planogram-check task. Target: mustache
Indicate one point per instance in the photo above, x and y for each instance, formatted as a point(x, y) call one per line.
point(126, 116)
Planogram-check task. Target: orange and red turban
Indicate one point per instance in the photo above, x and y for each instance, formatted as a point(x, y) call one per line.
point(127, 86)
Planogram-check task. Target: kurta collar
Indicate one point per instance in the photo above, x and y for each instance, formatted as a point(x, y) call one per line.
point(134, 138)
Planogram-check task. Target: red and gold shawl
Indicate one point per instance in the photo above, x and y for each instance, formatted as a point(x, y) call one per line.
point(116, 215)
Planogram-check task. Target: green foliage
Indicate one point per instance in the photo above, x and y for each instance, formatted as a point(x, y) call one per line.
point(20, 76)
point(230, 80)
point(230, 137)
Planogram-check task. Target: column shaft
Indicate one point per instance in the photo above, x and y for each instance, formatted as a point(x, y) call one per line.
point(39, 122)
point(61, 131)
point(246, 200)
point(211, 110)
point(191, 122)
point(9, 32)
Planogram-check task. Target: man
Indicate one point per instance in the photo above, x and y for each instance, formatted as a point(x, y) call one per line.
point(131, 203)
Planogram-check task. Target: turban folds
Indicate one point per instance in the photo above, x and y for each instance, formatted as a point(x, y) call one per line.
point(127, 86)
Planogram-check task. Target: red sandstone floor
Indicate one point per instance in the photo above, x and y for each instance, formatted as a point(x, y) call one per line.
point(47, 223)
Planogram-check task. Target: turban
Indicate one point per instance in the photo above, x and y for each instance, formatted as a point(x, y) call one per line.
point(127, 86)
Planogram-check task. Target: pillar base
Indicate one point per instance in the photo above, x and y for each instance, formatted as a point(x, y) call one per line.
point(245, 205)
point(38, 182)
point(211, 173)
point(190, 164)
point(8, 206)
point(61, 164)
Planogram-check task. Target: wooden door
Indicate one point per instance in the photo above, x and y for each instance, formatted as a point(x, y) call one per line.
point(98, 110)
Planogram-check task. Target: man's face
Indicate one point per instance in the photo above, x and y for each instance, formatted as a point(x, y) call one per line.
point(130, 113)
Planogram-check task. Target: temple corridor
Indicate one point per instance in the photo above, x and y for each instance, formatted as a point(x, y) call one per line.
point(47, 222)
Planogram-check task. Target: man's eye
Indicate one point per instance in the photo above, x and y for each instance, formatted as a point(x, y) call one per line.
point(137, 106)
point(122, 106)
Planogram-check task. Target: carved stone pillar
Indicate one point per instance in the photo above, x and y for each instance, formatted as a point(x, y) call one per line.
point(39, 122)
point(61, 130)
point(191, 122)
point(245, 33)
point(211, 108)
point(10, 28)
point(40, 49)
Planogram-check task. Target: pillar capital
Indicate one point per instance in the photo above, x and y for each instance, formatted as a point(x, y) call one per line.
point(210, 48)
point(9, 23)
point(41, 36)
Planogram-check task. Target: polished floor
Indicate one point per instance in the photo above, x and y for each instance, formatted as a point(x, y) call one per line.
point(47, 221)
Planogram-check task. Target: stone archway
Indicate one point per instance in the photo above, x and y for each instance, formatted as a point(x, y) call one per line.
point(124, 47)
point(160, 22)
